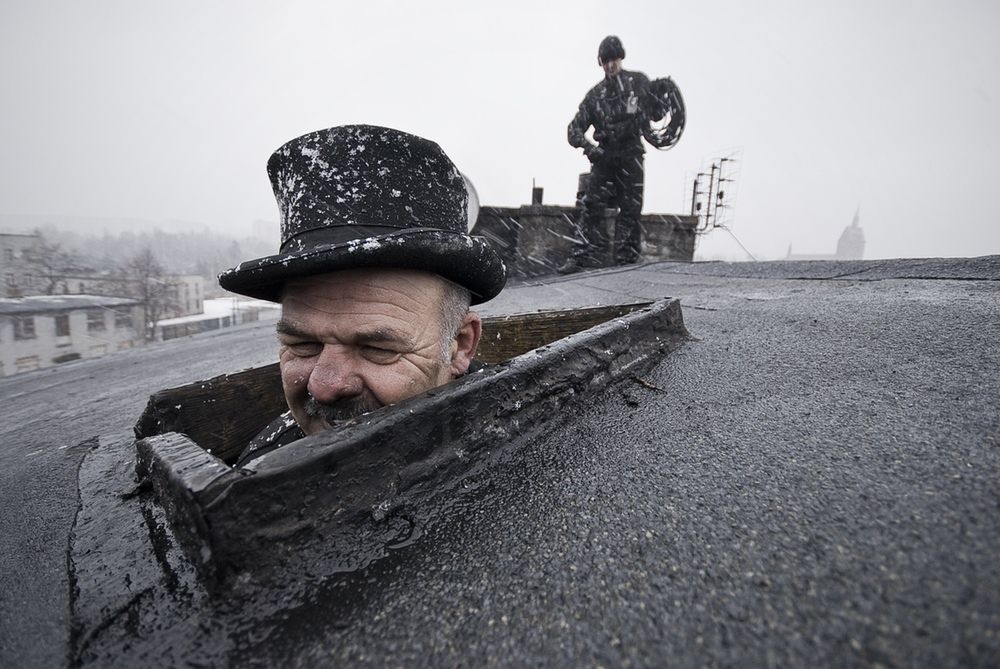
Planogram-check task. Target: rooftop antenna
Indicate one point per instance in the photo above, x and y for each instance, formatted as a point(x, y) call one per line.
point(713, 202)
point(713, 192)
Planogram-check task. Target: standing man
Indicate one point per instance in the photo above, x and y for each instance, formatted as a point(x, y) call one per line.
point(614, 107)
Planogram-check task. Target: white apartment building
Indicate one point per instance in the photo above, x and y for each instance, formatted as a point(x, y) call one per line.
point(187, 295)
point(46, 330)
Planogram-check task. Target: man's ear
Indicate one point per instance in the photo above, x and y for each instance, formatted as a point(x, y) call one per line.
point(466, 343)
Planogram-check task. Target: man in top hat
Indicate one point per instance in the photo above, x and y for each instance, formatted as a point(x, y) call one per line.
point(614, 107)
point(375, 276)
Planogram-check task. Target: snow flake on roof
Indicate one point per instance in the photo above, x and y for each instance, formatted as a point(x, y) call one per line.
point(47, 303)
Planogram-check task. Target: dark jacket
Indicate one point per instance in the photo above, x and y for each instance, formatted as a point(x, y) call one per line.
point(614, 108)
point(280, 431)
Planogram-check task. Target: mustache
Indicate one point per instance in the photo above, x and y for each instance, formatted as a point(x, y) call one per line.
point(341, 410)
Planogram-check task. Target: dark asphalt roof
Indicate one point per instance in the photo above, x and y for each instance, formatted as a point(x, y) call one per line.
point(982, 268)
point(811, 480)
point(38, 304)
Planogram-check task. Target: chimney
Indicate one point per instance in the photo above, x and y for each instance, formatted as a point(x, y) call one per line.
point(536, 194)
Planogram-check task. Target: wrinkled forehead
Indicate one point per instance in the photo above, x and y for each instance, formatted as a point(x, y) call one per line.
point(352, 293)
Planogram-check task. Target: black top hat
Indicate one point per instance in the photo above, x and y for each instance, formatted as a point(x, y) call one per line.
point(364, 196)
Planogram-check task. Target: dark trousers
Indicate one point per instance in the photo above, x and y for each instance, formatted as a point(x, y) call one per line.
point(613, 180)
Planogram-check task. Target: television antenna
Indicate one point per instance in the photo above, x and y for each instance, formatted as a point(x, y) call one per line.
point(713, 196)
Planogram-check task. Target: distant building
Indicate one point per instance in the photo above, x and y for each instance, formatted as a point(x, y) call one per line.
point(850, 246)
point(23, 277)
point(77, 284)
point(185, 293)
point(186, 296)
point(14, 269)
point(45, 330)
point(218, 313)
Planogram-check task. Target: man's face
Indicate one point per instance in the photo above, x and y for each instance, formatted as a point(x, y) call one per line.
point(612, 67)
point(355, 340)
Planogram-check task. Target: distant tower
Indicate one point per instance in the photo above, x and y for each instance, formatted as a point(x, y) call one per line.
point(851, 245)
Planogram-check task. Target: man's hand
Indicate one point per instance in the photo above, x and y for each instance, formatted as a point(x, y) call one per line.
point(594, 153)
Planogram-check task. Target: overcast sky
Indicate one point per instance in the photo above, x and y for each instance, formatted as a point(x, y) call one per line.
point(167, 111)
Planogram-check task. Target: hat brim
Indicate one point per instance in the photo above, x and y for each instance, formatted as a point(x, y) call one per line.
point(468, 261)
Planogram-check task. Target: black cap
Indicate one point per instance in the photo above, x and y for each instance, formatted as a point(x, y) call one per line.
point(360, 196)
point(611, 49)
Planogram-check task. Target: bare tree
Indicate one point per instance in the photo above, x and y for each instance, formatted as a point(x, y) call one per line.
point(145, 279)
point(49, 266)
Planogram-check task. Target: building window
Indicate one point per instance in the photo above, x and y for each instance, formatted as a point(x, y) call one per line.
point(28, 363)
point(62, 325)
point(8, 254)
point(95, 320)
point(24, 327)
point(123, 319)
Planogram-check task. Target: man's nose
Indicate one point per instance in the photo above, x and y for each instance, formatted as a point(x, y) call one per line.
point(335, 376)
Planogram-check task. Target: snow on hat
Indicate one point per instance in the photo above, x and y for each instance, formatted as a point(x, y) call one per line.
point(611, 49)
point(359, 196)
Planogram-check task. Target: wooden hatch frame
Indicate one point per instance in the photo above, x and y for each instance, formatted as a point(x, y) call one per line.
point(337, 500)
point(224, 413)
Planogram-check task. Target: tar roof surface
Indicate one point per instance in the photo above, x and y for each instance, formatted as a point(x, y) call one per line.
point(812, 480)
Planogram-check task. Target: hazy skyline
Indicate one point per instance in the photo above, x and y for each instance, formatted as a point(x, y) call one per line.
point(168, 111)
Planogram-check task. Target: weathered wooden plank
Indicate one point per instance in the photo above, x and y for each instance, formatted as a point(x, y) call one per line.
point(506, 337)
point(221, 414)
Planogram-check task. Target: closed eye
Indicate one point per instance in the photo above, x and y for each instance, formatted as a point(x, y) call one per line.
point(379, 355)
point(304, 349)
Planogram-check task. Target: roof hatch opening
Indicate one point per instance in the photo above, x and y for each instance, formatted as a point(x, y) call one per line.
point(352, 483)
